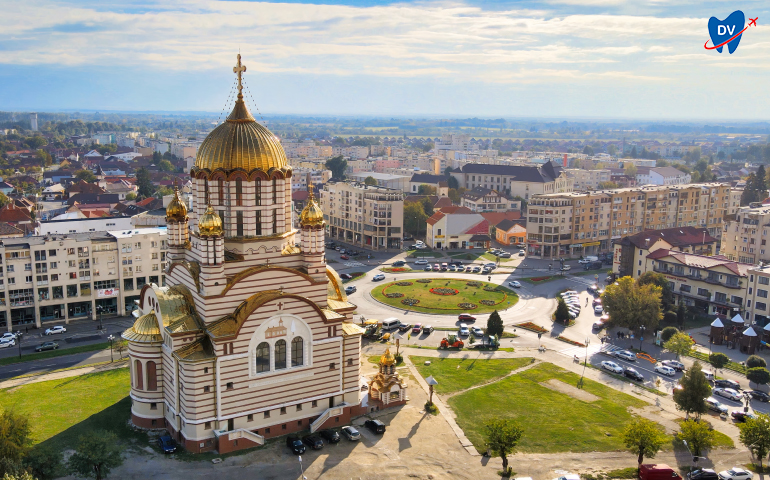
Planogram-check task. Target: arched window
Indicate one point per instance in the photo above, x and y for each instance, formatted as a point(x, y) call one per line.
point(297, 352)
point(238, 191)
point(280, 354)
point(263, 357)
point(152, 379)
point(138, 375)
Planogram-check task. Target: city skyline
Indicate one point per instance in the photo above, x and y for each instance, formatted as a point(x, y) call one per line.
point(563, 58)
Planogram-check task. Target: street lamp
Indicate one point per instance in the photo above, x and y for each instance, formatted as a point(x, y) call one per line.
point(588, 341)
point(99, 312)
point(111, 338)
point(641, 336)
point(18, 340)
point(431, 383)
point(300, 468)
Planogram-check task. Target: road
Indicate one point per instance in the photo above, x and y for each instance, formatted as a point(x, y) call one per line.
point(56, 363)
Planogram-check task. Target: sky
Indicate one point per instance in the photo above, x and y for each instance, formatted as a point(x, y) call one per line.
point(551, 58)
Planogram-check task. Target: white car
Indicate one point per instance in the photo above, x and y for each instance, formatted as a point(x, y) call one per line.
point(570, 476)
point(477, 332)
point(8, 336)
point(735, 473)
point(378, 277)
point(7, 343)
point(570, 292)
point(665, 370)
point(55, 330)
point(612, 367)
point(514, 284)
point(727, 393)
point(598, 309)
point(464, 332)
point(626, 355)
point(420, 246)
point(584, 260)
point(421, 261)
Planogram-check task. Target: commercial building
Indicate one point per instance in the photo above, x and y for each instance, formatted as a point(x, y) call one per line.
point(745, 237)
point(460, 229)
point(515, 180)
point(367, 216)
point(573, 224)
point(486, 200)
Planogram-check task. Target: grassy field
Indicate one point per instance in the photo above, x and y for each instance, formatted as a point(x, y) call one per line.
point(432, 303)
point(55, 353)
point(455, 374)
point(553, 422)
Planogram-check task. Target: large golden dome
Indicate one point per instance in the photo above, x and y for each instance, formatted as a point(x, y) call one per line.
point(210, 223)
point(311, 215)
point(176, 209)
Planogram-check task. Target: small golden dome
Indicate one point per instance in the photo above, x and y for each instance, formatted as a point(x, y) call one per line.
point(387, 358)
point(311, 215)
point(176, 210)
point(147, 324)
point(210, 224)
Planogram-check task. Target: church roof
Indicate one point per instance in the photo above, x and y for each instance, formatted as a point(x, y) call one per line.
point(349, 329)
point(199, 350)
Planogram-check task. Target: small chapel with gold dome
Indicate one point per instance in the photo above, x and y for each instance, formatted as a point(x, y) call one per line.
point(253, 336)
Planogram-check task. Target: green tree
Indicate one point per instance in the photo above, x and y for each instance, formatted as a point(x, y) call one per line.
point(755, 361)
point(97, 453)
point(44, 157)
point(562, 311)
point(588, 150)
point(163, 191)
point(85, 175)
point(426, 190)
point(679, 343)
point(454, 195)
point(698, 435)
point(633, 305)
point(719, 360)
point(612, 150)
point(494, 324)
point(666, 294)
point(44, 463)
point(3, 200)
point(691, 398)
point(607, 185)
point(130, 196)
point(755, 435)
point(427, 206)
point(143, 181)
point(15, 440)
point(680, 315)
point(758, 375)
point(667, 333)
point(452, 182)
point(629, 169)
point(18, 476)
point(337, 165)
point(370, 181)
point(502, 436)
point(643, 437)
point(414, 218)
point(165, 166)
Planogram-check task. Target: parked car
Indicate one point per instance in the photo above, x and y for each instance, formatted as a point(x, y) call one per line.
point(428, 268)
point(514, 284)
point(735, 473)
point(713, 404)
point(427, 329)
point(633, 374)
point(295, 445)
point(612, 366)
point(404, 327)
point(55, 330)
point(444, 267)
point(436, 267)
point(477, 332)
point(344, 257)
point(665, 370)
point(379, 277)
point(167, 444)
point(399, 263)
point(724, 383)
point(626, 355)
point(727, 393)
point(657, 471)
point(598, 309)
point(678, 366)
point(452, 268)
point(8, 336)
point(759, 395)
point(330, 436)
point(598, 325)
point(351, 433)
point(313, 441)
point(565, 268)
point(421, 261)
point(417, 328)
point(346, 276)
point(521, 253)
point(350, 289)
point(505, 255)
point(466, 317)
point(420, 246)
point(702, 474)
point(463, 331)
point(7, 343)
point(476, 269)
point(469, 268)
point(375, 426)
point(741, 416)
point(47, 346)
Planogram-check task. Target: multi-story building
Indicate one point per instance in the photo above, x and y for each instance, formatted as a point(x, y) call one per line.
point(588, 179)
point(745, 238)
point(661, 176)
point(457, 228)
point(486, 200)
point(515, 180)
point(757, 302)
point(303, 176)
point(58, 278)
point(399, 182)
point(572, 224)
point(367, 216)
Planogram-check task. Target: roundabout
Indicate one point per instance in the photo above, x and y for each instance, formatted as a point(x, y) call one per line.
point(445, 296)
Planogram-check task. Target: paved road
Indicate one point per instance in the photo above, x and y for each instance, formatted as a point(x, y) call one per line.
point(56, 363)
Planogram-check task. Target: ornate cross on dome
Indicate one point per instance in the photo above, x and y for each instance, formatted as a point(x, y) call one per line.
point(238, 69)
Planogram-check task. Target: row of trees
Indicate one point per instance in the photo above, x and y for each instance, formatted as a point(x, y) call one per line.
point(756, 187)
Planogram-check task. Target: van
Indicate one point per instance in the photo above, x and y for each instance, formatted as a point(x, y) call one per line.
point(657, 471)
point(390, 323)
point(709, 376)
point(591, 258)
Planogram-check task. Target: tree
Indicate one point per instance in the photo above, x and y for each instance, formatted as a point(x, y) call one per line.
point(612, 149)
point(97, 453)
point(85, 175)
point(15, 440)
point(370, 181)
point(758, 375)
point(719, 360)
point(562, 311)
point(755, 361)
point(680, 343)
point(667, 333)
point(427, 206)
point(143, 181)
point(44, 463)
point(454, 195)
point(131, 196)
point(494, 324)
point(452, 182)
point(669, 318)
point(680, 315)
point(426, 190)
point(755, 435)
point(337, 165)
point(588, 150)
point(414, 218)
point(632, 305)
point(629, 169)
point(666, 293)
point(165, 166)
point(698, 435)
point(121, 346)
point(644, 437)
point(18, 476)
point(691, 398)
point(44, 157)
point(749, 194)
point(502, 436)
point(607, 185)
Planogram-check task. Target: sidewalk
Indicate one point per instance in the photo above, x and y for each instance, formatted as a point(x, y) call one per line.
point(66, 373)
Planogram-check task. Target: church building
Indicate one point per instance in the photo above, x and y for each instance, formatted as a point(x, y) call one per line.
point(253, 336)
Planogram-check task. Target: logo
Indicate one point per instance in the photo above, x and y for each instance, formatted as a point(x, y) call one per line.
point(728, 31)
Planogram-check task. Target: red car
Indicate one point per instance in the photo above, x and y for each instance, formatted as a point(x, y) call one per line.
point(466, 317)
point(417, 328)
point(344, 257)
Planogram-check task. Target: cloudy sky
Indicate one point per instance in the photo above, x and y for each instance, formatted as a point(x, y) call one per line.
point(552, 58)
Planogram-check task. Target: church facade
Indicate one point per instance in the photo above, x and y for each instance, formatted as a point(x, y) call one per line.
point(253, 336)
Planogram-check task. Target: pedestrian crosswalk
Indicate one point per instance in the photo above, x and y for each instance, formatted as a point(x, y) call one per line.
point(593, 348)
point(354, 264)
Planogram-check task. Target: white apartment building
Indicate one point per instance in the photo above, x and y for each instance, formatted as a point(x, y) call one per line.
point(351, 152)
point(299, 180)
point(588, 179)
point(745, 238)
point(82, 225)
point(661, 176)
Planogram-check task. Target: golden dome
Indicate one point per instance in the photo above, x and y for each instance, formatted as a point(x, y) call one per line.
point(147, 324)
point(387, 358)
point(176, 210)
point(210, 223)
point(311, 215)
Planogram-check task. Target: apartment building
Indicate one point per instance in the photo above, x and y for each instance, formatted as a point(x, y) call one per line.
point(745, 238)
point(588, 179)
point(573, 224)
point(661, 176)
point(366, 216)
point(757, 301)
point(396, 182)
point(301, 177)
point(58, 278)
point(631, 250)
point(486, 200)
point(515, 180)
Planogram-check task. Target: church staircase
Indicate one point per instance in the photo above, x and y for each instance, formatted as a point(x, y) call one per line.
point(241, 433)
point(334, 411)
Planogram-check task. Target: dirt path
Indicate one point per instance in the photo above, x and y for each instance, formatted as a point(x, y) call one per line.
point(512, 372)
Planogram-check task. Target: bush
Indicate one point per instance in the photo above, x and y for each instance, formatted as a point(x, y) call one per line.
point(431, 408)
point(755, 361)
point(669, 318)
point(668, 332)
point(399, 358)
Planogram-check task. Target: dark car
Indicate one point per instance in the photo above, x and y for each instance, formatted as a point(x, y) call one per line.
point(350, 289)
point(759, 395)
point(702, 474)
point(741, 416)
point(295, 445)
point(375, 426)
point(633, 374)
point(725, 383)
point(313, 441)
point(427, 329)
point(403, 327)
point(399, 263)
point(167, 444)
point(330, 436)
point(47, 346)
point(346, 276)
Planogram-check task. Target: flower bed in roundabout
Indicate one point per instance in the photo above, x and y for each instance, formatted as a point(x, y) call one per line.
point(448, 296)
point(531, 327)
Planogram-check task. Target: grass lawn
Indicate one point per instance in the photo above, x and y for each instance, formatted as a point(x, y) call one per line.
point(552, 421)
point(704, 357)
point(55, 353)
point(465, 256)
point(503, 298)
point(455, 374)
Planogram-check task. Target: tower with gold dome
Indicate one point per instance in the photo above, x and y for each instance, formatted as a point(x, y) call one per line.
point(253, 336)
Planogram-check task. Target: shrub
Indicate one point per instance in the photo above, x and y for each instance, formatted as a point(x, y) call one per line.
point(670, 318)
point(667, 333)
point(755, 361)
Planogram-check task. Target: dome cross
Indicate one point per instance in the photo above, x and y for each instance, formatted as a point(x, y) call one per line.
point(239, 69)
